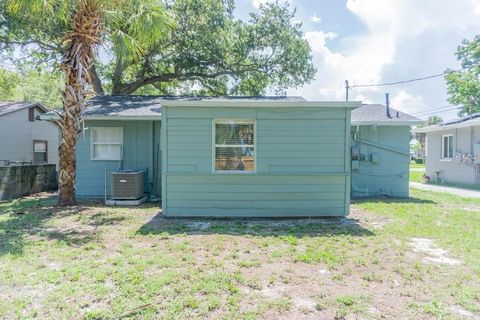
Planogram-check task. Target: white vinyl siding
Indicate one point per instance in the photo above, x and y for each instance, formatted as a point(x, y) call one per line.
point(234, 149)
point(447, 146)
point(106, 143)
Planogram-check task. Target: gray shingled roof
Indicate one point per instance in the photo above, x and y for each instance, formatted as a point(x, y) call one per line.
point(133, 106)
point(150, 106)
point(369, 114)
point(12, 106)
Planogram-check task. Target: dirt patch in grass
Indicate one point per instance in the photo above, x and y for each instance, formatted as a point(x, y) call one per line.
point(432, 252)
point(96, 262)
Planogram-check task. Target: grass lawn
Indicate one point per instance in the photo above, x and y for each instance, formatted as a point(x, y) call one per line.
point(95, 262)
point(416, 176)
point(413, 164)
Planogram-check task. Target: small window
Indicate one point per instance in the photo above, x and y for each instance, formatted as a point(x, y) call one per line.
point(31, 114)
point(107, 143)
point(447, 146)
point(40, 152)
point(234, 146)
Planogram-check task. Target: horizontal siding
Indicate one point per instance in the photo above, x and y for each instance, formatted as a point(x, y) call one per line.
point(451, 171)
point(255, 194)
point(255, 113)
point(17, 134)
point(300, 161)
point(93, 176)
point(391, 175)
point(253, 212)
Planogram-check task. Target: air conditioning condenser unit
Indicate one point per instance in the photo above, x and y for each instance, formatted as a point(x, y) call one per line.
point(127, 185)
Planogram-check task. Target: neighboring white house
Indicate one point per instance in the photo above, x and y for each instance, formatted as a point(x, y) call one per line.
point(24, 138)
point(452, 150)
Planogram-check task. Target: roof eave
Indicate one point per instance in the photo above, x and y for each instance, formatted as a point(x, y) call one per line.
point(387, 123)
point(466, 124)
point(51, 117)
point(33, 104)
point(269, 104)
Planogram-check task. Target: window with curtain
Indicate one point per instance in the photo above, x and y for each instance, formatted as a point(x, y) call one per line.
point(40, 152)
point(447, 146)
point(107, 143)
point(234, 146)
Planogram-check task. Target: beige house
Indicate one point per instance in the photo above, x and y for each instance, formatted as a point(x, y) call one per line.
point(452, 150)
point(24, 138)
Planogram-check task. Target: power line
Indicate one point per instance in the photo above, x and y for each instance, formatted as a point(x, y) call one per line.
point(429, 113)
point(400, 82)
point(436, 109)
point(407, 81)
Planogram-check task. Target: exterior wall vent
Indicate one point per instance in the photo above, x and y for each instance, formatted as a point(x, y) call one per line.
point(127, 185)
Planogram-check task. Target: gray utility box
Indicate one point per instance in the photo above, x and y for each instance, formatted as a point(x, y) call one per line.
point(127, 185)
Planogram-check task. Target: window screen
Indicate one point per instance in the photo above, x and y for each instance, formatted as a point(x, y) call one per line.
point(107, 143)
point(235, 146)
point(447, 146)
point(40, 152)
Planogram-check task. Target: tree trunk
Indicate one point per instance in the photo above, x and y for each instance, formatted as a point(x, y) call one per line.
point(68, 164)
point(77, 62)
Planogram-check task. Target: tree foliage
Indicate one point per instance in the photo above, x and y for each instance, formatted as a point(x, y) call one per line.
point(464, 86)
point(43, 87)
point(433, 120)
point(186, 47)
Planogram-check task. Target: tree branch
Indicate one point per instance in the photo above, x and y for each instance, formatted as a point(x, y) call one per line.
point(129, 88)
point(96, 82)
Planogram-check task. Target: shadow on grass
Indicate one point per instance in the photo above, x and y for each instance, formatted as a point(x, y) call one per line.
point(391, 200)
point(24, 219)
point(318, 227)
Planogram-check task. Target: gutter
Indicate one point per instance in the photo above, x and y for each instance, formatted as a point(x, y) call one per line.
point(387, 123)
point(272, 104)
point(112, 117)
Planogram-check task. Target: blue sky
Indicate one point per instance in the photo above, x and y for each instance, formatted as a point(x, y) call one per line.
point(375, 41)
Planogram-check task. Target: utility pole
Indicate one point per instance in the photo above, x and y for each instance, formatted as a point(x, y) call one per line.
point(346, 90)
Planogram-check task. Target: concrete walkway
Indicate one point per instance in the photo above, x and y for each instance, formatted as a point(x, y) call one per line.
point(452, 190)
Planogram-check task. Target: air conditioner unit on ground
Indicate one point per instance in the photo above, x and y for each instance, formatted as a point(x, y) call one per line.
point(127, 185)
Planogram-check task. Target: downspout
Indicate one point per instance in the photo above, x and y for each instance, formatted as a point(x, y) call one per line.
point(152, 160)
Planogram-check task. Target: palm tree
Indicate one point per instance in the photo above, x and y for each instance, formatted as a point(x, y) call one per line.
point(131, 27)
point(81, 43)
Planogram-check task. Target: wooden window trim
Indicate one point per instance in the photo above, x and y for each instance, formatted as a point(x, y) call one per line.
point(215, 145)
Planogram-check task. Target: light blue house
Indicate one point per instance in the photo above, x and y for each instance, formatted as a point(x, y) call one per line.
point(380, 151)
point(241, 156)
point(261, 157)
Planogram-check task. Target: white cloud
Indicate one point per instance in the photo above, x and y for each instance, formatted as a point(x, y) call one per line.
point(407, 102)
point(476, 6)
point(315, 19)
point(403, 39)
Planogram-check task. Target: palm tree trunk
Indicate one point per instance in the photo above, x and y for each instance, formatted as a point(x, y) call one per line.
point(81, 43)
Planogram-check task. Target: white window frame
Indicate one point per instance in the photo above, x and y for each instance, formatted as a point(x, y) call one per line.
point(443, 147)
point(46, 151)
point(426, 147)
point(93, 143)
point(214, 145)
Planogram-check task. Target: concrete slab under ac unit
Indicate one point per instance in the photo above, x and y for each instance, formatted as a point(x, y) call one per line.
point(111, 202)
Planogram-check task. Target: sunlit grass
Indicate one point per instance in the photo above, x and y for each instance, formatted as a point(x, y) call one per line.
point(96, 262)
